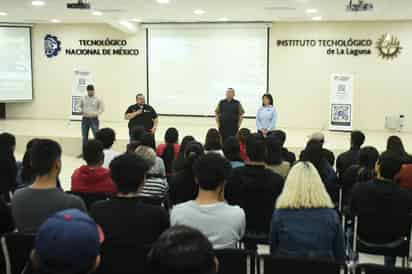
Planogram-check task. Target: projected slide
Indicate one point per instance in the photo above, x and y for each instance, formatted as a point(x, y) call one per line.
point(15, 64)
point(191, 67)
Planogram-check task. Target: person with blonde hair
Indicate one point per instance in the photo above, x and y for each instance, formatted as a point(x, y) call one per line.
point(305, 223)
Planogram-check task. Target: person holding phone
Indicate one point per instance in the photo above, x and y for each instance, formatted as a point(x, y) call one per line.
point(142, 114)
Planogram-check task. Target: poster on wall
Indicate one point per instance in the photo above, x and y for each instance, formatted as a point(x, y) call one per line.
point(81, 80)
point(341, 102)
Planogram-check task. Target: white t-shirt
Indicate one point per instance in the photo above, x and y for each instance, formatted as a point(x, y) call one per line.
point(222, 224)
point(109, 155)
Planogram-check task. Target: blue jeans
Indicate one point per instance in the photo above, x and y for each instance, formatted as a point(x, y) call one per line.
point(89, 123)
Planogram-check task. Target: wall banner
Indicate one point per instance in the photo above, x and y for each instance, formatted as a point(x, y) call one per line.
point(341, 102)
point(81, 80)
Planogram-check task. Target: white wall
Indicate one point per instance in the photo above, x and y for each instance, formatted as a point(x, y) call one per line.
point(299, 76)
point(117, 78)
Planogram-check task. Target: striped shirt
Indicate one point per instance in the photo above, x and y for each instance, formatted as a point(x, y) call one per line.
point(155, 186)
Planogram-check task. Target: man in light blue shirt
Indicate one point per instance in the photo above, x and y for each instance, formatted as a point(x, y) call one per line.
point(266, 116)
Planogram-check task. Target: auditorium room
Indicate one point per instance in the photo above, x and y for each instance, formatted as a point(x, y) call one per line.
point(205, 136)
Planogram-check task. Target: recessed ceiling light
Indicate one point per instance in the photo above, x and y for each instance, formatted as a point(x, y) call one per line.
point(163, 1)
point(55, 21)
point(38, 3)
point(311, 11)
point(199, 12)
point(223, 19)
point(317, 18)
point(137, 20)
point(97, 13)
point(3, 13)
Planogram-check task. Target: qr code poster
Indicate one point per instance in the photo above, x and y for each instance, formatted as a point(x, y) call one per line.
point(341, 114)
point(76, 109)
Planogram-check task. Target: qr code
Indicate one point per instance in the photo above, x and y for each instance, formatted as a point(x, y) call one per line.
point(342, 88)
point(82, 82)
point(76, 101)
point(341, 113)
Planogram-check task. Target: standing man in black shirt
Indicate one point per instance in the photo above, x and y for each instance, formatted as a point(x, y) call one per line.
point(229, 115)
point(142, 114)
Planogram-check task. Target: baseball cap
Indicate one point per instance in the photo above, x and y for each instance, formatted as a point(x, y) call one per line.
point(68, 242)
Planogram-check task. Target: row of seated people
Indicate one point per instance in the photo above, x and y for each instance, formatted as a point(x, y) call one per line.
point(252, 191)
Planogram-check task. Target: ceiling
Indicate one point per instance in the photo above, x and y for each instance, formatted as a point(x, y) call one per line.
point(182, 10)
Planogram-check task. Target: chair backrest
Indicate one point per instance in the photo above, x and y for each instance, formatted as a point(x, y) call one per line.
point(233, 261)
point(383, 229)
point(90, 198)
point(16, 249)
point(378, 269)
point(125, 259)
point(274, 265)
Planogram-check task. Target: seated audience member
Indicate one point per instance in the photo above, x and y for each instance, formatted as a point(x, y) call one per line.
point(274, 159)
point(92, 177)
point(327, 154)
point(254, 187)
point(6, 219)
point(222, 224)
point(170, 149)
point(395, 145)
point(148, 140)
point(213, 142)
point(286, 154)
point(68, 242)
point(136, 135)
point(31, 206)
point(305, 223)
point(124, 219)
point(182, 250)
point(25, 173)
point(8, 165)
point(107, 136)
point(231, 150)
point(182, 187)
point(179, 162)
point(359, 173)
point(242, 136)
point(383, 198)
point(155, 184)
point(350, 157)
point(313, 153)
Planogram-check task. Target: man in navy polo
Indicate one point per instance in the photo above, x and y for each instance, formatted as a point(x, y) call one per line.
point(229, 115)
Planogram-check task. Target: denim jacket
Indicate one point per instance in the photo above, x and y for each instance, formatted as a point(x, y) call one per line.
point(308, 234)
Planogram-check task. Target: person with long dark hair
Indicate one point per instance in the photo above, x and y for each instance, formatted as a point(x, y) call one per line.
point(26, 174)
point(266, 115)
point(179, 162)
point(170, 149)
point(8, 166)
point(213, 142)
point(242, 136)
point(313, 153)
point(274, 160)
point(362, 172)
point(182, 187)
point(231, 150)
point(395, 145)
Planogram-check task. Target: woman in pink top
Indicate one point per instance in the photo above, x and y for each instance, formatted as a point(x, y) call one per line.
point(170, 149)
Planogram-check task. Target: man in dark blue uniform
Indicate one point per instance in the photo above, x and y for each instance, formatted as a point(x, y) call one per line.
point(229, 115)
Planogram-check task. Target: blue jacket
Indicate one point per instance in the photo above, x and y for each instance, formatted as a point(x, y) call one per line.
point(308, 234)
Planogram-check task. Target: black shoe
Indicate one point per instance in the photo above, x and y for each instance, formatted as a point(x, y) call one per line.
point(80, 156)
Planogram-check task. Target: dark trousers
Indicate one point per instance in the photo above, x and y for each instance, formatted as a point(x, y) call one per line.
point(87, 124)
point(228, 130)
